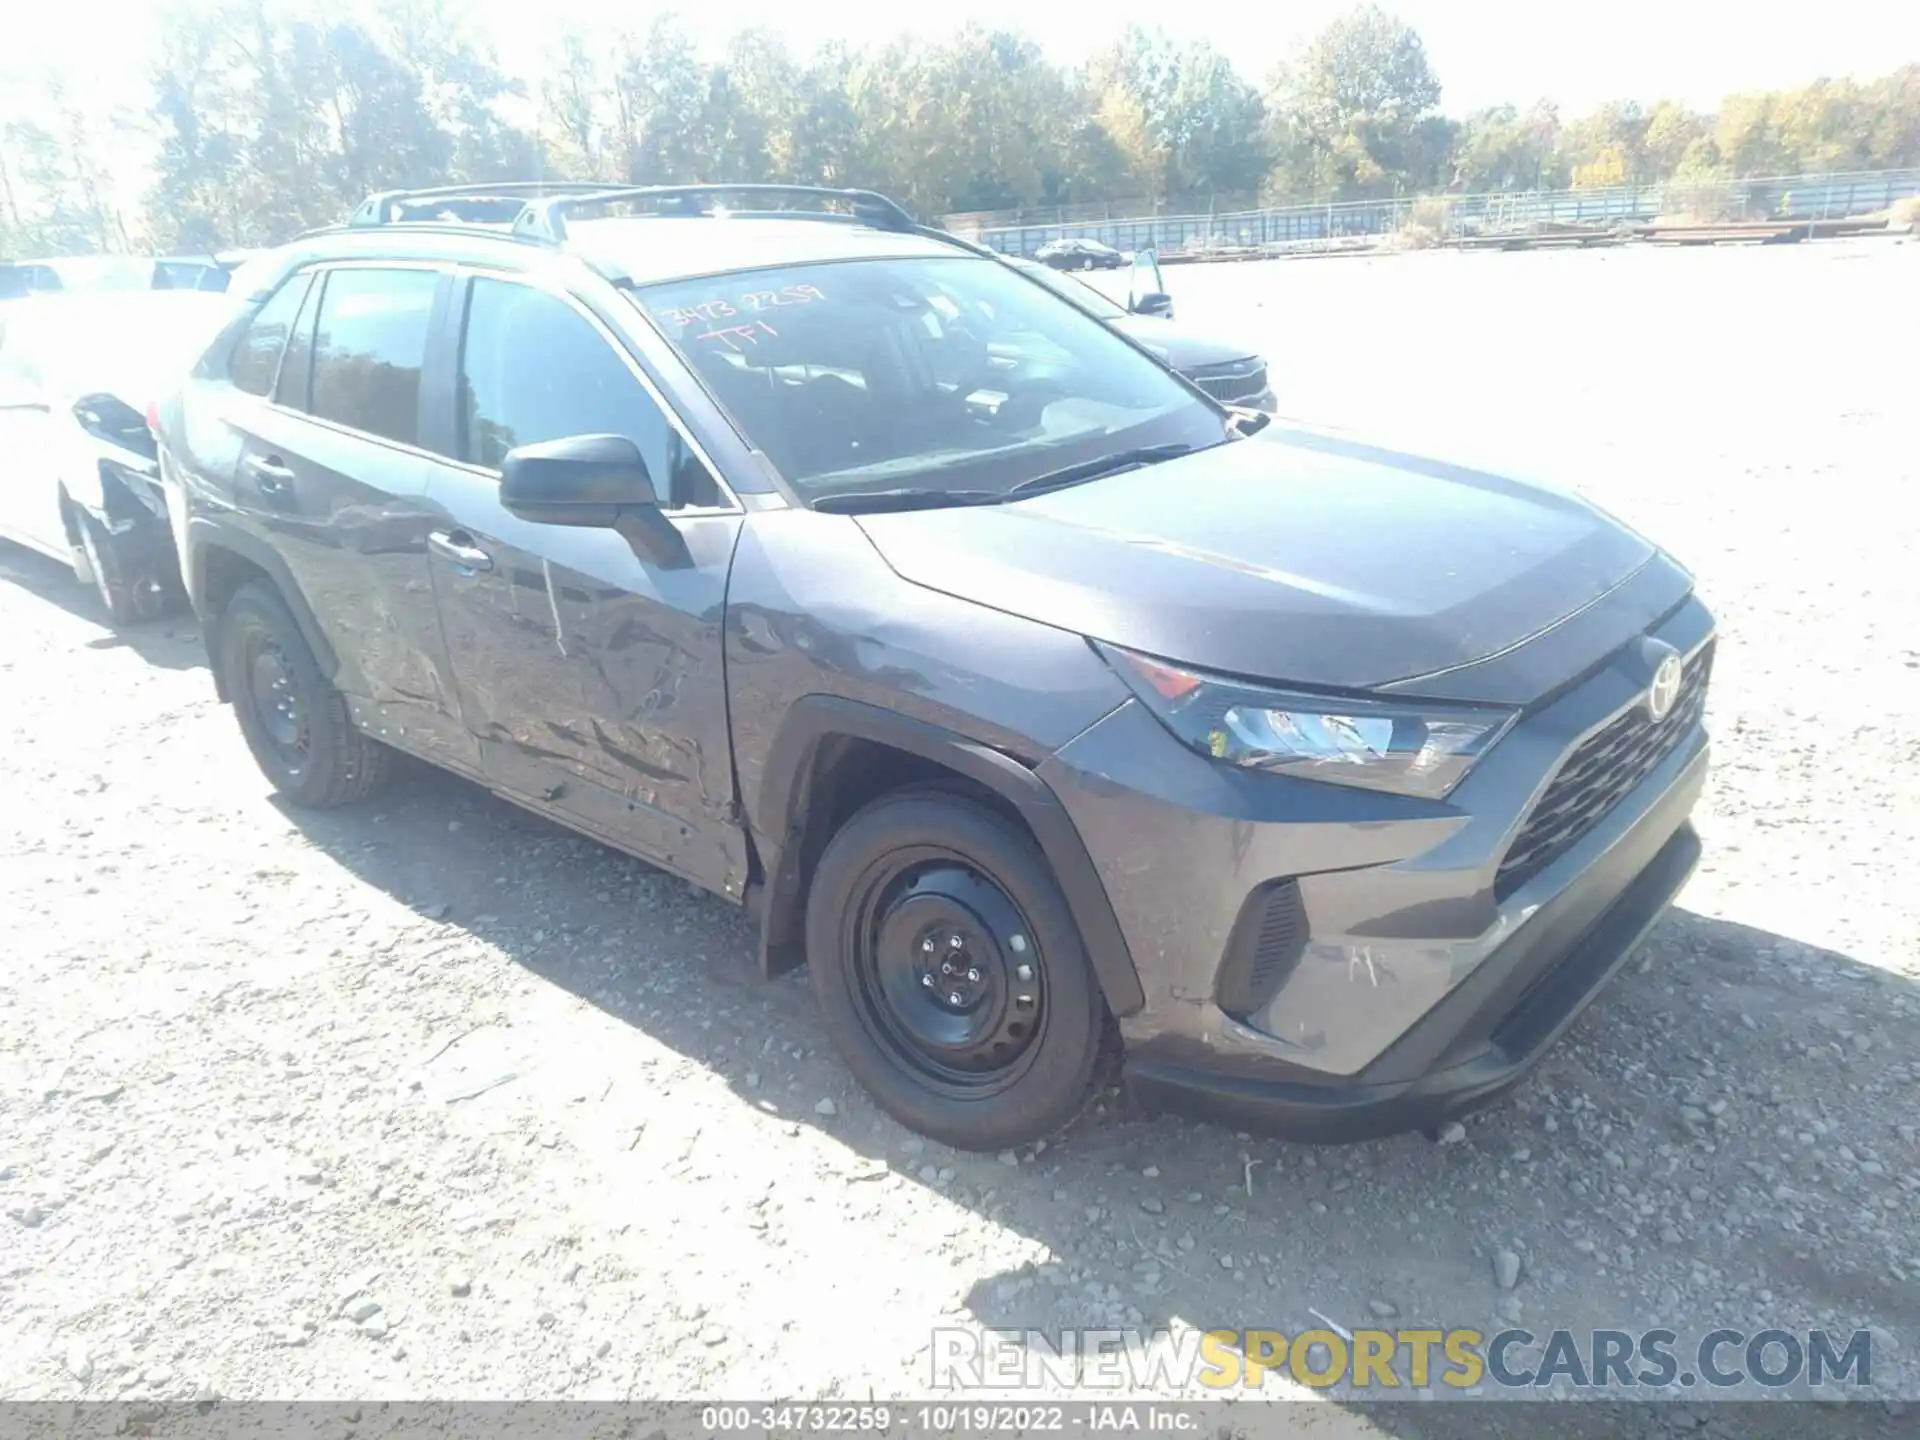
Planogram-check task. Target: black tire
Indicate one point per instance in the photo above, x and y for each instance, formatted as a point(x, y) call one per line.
point(295, 723)
point(129, 596)
point(905, 870)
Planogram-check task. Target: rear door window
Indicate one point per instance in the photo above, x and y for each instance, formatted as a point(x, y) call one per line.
point(369, 344)
point(256, 353)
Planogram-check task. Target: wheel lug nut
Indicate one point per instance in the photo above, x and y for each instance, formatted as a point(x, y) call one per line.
point(927, 945)
point(927, 980)
point(973, 977)
point(954, 942)
point(954, 998)
point(1023, 972)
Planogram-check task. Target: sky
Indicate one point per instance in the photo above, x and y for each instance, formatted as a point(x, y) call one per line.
point(1484, 51)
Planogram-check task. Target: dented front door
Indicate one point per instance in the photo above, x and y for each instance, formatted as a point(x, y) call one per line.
point(588, 661)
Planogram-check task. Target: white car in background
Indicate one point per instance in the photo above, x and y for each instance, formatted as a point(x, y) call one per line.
point(79, 469)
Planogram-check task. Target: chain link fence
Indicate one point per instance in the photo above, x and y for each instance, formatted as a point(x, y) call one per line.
point(1333, 225)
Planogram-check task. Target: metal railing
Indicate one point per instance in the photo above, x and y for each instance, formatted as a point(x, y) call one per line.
point(1822, 196)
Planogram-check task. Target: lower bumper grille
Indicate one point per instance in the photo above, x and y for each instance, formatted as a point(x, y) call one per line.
point(1598, 774)
point(1267, 942)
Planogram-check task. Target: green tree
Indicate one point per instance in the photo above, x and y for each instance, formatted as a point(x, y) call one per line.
point(576, 109)
point(1361, 99)
point(1672, 132)
point(1607, 147)
point(56, 169)
point(1503, 149)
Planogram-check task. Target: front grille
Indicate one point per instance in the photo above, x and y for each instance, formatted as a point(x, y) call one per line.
point(1598, 774)
point(1235, 380)
point(1267, 942)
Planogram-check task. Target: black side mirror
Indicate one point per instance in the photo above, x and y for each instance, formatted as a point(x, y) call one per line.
point(1248, 422)
point(1157, 303)
point(587, 480)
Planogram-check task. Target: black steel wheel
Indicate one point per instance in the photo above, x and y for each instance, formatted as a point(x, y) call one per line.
point(294, 720)
point(274, 701)
point(950, 971)
point(948, 974)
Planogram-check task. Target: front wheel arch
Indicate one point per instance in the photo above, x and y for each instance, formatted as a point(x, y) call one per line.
point(795, 817)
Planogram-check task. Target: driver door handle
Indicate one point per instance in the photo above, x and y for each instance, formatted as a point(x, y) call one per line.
point(270, 472)
point(458, 546)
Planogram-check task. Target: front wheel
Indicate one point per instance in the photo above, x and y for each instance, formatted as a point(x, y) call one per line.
point(293, 719)
point(951, 975)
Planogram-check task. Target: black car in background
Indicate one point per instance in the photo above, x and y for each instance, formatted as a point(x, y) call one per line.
point(1072, 253)
point(1232, 373)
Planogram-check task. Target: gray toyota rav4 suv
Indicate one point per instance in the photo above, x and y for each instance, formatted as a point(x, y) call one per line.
point(1053, 715)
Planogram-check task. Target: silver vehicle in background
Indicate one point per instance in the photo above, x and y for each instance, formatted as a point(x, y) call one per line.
point(79, 474)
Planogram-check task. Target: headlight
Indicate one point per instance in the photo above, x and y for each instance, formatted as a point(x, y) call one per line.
point(1409, 747)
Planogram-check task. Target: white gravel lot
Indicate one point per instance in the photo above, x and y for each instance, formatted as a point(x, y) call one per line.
point(429, 1099)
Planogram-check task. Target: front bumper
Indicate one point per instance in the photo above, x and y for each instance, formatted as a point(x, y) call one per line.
point(1501, 1033)
point(1418, 986)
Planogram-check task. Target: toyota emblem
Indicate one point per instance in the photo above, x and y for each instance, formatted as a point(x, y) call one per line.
point(1664, 690)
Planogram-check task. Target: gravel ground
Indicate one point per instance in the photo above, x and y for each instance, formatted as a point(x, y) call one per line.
point(430, 1099)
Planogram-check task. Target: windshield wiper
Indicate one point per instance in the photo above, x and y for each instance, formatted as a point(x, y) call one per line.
point(1093, 469)
point(872, 502)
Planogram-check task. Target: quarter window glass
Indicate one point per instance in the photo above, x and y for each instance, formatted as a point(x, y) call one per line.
point(256, 354)
point(369, 344)
point(294, 388)
point(533, 369)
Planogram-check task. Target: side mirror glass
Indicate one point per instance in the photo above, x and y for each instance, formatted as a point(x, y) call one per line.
point(590, 480)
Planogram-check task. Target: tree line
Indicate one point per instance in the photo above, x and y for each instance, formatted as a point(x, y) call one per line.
point(265, 119)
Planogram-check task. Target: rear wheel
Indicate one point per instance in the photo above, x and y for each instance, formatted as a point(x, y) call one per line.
point(951, 974)
point(293, 719)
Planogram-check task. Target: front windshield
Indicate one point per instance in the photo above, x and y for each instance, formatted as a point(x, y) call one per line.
point(1075, 291)
point(949, 373)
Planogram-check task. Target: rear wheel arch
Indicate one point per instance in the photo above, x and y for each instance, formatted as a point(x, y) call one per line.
point(221, 560)
point(833, 756)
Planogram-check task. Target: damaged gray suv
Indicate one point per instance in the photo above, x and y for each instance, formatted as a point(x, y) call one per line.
point(1055, 716)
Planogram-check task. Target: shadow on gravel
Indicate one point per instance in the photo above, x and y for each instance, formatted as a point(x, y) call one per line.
point(169, 644)
point(1148, 1220)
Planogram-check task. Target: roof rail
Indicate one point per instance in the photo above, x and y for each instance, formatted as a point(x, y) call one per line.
point(497, 202)
point(547, 218)
point(536, 211)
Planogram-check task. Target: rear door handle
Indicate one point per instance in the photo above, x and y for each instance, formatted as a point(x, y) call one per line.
point(270, 472)
point(458, 547)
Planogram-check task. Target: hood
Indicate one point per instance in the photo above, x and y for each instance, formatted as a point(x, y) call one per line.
point(1180, 348)
point(1289, 556)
